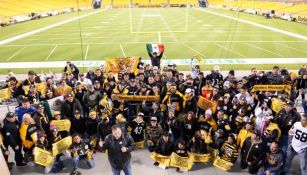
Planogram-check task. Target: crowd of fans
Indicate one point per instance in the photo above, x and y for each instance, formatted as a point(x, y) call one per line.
point(242, 123)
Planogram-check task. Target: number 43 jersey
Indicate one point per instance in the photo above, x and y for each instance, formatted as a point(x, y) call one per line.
point(299, 141)
point(137, 130)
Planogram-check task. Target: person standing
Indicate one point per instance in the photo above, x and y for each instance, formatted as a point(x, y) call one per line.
point(252, 153)
point(155, 58)
point(285, 120)
point(12, 136)
point(298, 145)
point(119, 148)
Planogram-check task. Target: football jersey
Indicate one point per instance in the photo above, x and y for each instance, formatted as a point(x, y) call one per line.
point(137, 131)
point(299, 140)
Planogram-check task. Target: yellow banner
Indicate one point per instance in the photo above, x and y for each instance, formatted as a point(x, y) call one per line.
point(117, 65)
point(184, 163)
point(205, 104)
point(61, 145)
point(203, 158)
point(286, 88)
point(277, 105)
point(62, 125)
point(40, 87)
point(134, 98)
point(5, 94)
point(42, 157)
point(222, 164)
point(162, 160)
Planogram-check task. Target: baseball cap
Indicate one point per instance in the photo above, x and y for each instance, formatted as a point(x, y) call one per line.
point(77, 112)
point(153, 119)
point(69, 95)
point(290, 103)
point(24, 99)
point(40, 106)
point(141, 114)
point(188, 90)
point(226, 95)
point(10, 114)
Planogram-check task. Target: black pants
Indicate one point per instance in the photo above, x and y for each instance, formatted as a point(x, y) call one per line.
point(18, 154)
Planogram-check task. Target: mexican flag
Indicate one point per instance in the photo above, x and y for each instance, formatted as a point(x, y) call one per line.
point(158, 48)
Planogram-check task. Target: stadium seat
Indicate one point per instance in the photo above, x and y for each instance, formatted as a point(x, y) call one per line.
point(24, 7)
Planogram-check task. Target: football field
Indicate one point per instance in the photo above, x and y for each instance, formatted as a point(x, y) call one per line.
point(185, 32)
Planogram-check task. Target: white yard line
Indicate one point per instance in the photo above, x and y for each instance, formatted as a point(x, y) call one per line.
point(46, 28)
point(193, 50)
point(259, 48)
point(257, 24)
point(143, 42)
point(86, 52)
point(16, 53)
point(230, 50)
point(121, 47)
point(186, 17)
point(159, 37)
point(130, 16)
point(51, 52)
point(167, 26)
point(283, 45)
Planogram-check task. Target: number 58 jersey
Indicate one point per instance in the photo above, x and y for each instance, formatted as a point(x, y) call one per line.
point(299, 141)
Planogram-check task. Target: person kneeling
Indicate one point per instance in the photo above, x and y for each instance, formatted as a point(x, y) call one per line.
point(181, 150)
point(164, 147)
point(229, 150)
point(81, 150)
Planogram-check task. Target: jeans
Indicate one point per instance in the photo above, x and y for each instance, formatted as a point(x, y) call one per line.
point(58, 164)
point(75, 161)
point(284, 144)
point(263, 173)
point(304, 105)
point(303, 160)
point(126, 169)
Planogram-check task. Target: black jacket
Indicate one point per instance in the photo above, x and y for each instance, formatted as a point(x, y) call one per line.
point(164, 148)
point(11, 133)
point(78, 126)
point(286, 120)
point(155, 60)
point(254, 153)
point(117, 158)
point(68, 108)
point(104, 128)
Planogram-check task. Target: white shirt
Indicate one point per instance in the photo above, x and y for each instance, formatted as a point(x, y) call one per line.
point(299, 140)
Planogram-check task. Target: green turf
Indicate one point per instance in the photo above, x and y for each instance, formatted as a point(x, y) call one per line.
point(103, 33)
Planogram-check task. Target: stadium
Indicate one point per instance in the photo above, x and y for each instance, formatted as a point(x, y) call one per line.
point(183, 57)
